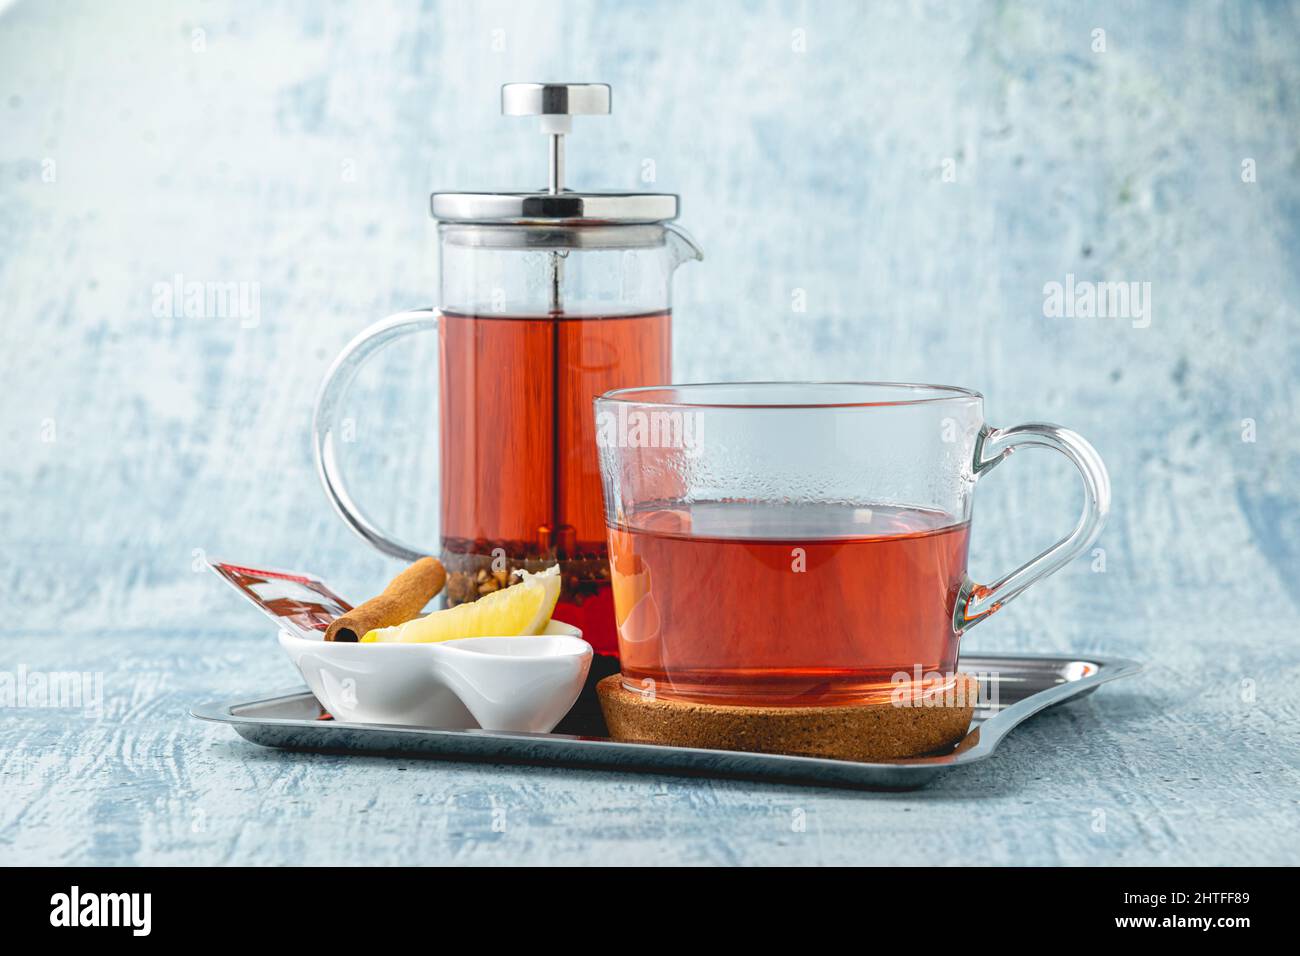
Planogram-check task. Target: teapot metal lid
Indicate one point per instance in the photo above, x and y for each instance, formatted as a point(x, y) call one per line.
point(555, 104)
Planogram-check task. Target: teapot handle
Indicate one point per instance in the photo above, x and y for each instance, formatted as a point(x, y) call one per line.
point(327, 422)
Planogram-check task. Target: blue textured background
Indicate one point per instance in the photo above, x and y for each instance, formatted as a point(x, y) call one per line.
point(296, 149)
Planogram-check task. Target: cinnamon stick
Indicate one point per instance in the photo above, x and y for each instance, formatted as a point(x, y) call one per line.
point(402, 601)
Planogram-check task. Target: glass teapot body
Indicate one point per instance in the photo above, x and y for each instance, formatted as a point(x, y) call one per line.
point(536, 322)
point(546, 299)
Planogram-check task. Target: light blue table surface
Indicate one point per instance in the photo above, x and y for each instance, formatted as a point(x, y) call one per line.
point(915, 172)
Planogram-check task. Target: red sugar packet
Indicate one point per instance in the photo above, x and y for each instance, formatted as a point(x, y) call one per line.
point(299, 603)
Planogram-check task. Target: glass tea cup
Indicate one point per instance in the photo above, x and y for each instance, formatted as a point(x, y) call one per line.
point(805, 544)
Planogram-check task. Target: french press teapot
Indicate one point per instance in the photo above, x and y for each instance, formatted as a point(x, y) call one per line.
point(547, 299)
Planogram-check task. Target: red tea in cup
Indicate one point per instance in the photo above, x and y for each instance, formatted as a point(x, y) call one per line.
point(785, 604)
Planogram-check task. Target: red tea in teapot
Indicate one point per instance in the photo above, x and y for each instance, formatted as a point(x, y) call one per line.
point(520, 479)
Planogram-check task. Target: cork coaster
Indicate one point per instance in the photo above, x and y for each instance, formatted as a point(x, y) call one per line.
point(866, 732)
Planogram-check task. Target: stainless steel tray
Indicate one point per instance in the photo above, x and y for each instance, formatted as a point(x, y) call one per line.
point(1013, 688)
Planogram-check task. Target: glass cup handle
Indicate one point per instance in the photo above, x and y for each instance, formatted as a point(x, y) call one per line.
point(327, 422)
point(978, 601)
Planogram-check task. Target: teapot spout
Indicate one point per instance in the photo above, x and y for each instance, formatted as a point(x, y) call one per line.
point(681, 245)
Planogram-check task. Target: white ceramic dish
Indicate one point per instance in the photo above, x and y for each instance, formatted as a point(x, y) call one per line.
point(495, 683)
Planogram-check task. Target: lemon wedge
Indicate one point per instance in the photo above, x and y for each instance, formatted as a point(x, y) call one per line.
point(523, 608)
